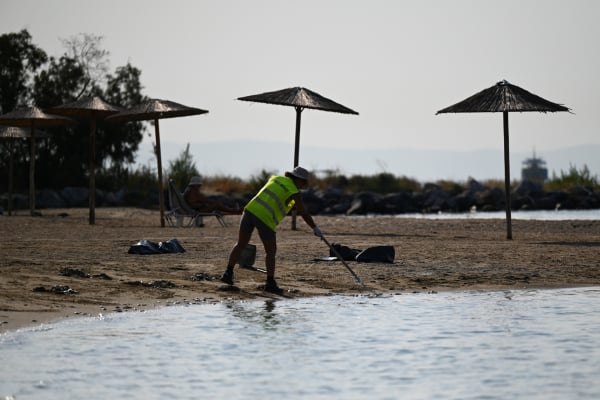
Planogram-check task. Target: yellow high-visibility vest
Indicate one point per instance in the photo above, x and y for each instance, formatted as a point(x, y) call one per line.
point(270, 204)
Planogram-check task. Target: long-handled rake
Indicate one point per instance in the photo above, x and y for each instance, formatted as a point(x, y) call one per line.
point(339, 256)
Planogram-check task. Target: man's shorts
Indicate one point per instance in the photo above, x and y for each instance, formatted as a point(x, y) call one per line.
point(250, 221)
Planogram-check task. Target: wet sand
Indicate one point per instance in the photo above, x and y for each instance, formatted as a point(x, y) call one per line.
point(90, 265)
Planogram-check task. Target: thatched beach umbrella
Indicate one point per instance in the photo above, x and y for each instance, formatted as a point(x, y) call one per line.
point(155, 109)
point(11, 133)
point(93, 109)
point(32, 117)
point(299, 98)
point(504, 97)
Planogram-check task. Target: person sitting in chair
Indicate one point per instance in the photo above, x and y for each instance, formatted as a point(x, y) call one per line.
point(200, 202)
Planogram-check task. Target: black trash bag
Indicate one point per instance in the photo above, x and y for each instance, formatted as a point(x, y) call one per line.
point(145, 247)
point(346, 252)
point(384, 254)
point(171, 246)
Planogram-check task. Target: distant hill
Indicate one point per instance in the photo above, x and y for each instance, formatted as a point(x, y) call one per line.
point(246, 158)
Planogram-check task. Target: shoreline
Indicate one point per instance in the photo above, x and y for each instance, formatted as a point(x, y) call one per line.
point(431, 256)
point(22, 322)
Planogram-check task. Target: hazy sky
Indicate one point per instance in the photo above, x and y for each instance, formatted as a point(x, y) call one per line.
point(395, 62)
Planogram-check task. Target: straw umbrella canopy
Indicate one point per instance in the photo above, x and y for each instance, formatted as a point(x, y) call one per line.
point(32, 117)
point(504, 97)
point(93, 109)
point(11, 133)
point(155, 109)
point(299, 98)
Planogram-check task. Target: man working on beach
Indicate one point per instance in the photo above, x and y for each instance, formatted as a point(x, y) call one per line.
point(194, 197)
point(264, 212)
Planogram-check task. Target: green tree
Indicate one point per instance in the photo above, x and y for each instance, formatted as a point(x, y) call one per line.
point(182, 168)
point(572, 178)
point(48, 82)
point(257, 181)
point(117, 144)
point(63, 157)
point(92, 59)
point(19, 61)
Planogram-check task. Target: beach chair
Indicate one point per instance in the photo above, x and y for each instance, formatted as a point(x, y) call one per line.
point(180, 211)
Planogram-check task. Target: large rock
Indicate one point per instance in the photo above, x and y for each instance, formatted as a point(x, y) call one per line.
point(312, 201)
point(549, 201)
point(529, 188)
point(433, 198)
point(49, 199)
point(110, 199)
point(398, 203)
point(436, 199)
point(334, 201)
point(491, 199)
point(75, 196)
point(581, 198)
point(364, 203)
point(467, 199)
point(19, 201)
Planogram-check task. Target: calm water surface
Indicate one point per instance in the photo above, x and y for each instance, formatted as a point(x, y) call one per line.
point(534, 344)
point(542, 215)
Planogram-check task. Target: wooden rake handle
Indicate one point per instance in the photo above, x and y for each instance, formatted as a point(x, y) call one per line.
point(339, 256)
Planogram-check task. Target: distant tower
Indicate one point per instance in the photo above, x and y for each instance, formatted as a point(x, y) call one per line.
point(534, 170)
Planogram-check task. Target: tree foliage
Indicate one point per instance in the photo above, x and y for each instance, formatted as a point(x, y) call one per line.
point(81, 71)
point(19, 61)
point(182, 168)
point(92, 59)
point(383, 182)
point(572, 178)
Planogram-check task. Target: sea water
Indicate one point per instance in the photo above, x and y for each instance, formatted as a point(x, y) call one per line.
point(517, 344)
point(540, 215)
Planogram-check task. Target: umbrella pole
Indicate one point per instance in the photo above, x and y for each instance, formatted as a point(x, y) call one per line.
point(161, 201)
point(32, 171)
point(296, 154)
point(10, 175)
point(92, 171)
point(507, 177)
point(297, 141)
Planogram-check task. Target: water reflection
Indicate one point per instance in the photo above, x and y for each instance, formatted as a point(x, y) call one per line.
point(265, 316)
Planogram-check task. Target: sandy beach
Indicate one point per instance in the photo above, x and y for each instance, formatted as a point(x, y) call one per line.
point(58, 266)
